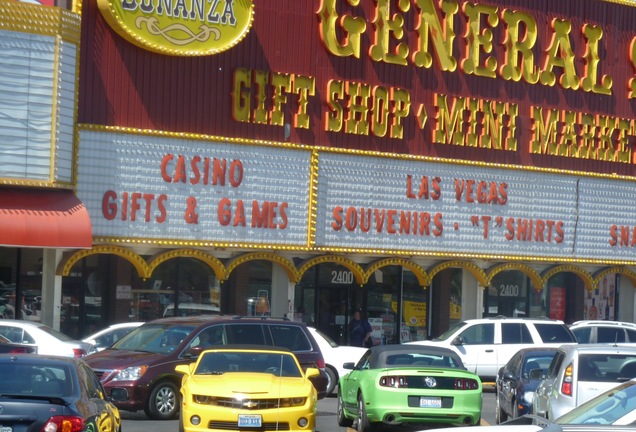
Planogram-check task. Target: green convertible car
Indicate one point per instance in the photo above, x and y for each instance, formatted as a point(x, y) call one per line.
point(396, 384)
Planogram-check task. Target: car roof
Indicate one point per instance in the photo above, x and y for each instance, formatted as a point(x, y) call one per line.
point(243, 347)
point(585, 323)
point(380, 352)
point(413, 349)
point(600, 348)
point(537, 348)
point(124, 324)
point(209, 319)
point(515, 319)
point(39, 359)
point(23, 323)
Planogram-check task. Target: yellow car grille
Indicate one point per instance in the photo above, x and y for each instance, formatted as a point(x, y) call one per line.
point(253, 404)
point(233, 426)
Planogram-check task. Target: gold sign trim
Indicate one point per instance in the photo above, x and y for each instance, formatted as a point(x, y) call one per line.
point(188, 29)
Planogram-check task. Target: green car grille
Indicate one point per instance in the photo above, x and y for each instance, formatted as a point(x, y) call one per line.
point(419, 382)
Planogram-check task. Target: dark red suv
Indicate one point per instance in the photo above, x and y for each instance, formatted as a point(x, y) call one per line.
point(138, 370)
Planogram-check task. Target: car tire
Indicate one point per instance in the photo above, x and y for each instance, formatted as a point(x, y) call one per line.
point(500, 415)
point(163, 402)
point(342, 419)
point(362, 421)
point(332, 380)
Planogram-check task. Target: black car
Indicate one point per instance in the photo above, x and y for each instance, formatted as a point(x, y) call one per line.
point(518, 379)
point(139, 369)
point(49, 393)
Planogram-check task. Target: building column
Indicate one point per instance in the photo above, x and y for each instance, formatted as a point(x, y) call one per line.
point(51, 288)
point(472, 297)
point(279, 303)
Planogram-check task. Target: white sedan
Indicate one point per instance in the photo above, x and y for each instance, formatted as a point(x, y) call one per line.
point(109, 335)
point(335, 356)
point(45, 339)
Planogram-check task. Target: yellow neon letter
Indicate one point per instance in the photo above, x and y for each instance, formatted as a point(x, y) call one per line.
point(241, 95)
point(385, 27)
point(304, 86)
point(519, 59)
point(334, 118)
point(560, 54)
point(282, 85)
point(356, 121)
point(476, 40)
point(442, 38)
point(632, 81)
point(544, 131)
point(352, 28)
point(593, 34)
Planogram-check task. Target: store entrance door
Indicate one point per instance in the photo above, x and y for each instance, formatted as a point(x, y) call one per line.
point(337, 297)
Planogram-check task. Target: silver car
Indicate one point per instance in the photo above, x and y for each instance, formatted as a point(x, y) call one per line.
point(580, 372)
point(43, 338)
point(612, 411)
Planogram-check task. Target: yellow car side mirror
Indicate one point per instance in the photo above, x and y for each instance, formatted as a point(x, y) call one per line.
point(312, 372)
point(183, 368)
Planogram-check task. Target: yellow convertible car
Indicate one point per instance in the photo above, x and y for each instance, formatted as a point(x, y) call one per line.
point(247, 388)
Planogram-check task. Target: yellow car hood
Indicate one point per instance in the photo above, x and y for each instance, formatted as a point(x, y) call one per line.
point(232, 384)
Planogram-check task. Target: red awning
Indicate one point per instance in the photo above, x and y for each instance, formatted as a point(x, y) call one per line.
point(43, 218)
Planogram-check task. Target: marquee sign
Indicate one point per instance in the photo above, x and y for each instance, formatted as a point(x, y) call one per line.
point(219, 192)
point(180, 27)
point(187, 190)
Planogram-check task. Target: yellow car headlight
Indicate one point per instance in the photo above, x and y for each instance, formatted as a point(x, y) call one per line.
point(292, 402)
point(203, 399)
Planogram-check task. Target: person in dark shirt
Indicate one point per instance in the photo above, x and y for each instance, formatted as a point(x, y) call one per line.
point(359, 330)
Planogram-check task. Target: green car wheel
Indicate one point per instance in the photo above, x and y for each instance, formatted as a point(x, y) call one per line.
point(342, 419)
point(362, 423)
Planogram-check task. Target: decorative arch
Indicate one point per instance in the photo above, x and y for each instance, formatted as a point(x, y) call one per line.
point(285, 263)
point(477, 272)
point(417, 270)
point(630, 274)
point(67, 263)
point(585, 276)
point(358, 272)
point(534, 276)
point(214, 263)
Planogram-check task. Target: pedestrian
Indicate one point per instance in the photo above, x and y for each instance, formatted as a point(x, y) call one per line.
point(359, 331)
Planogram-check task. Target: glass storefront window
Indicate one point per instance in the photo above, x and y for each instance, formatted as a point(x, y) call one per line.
point(455, 302)
point(21, 283)
point(30, 295)
point(508, 295)
point(384, 291)
point(326, 297)
point(414, 323)
point(178, 287)
point(253, 288)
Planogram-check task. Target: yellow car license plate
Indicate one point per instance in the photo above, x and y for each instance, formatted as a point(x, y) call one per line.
point(249, 420)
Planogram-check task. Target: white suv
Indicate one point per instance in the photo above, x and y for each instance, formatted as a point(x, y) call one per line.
point(592, 331)
point(487, 344)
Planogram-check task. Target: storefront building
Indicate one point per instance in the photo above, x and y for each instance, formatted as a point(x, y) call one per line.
point(426, 161)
